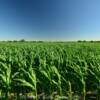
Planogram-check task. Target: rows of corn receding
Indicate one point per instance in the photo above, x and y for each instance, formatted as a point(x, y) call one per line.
point(49, 71)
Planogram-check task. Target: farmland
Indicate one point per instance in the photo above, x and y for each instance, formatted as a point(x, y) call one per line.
point(49, 70)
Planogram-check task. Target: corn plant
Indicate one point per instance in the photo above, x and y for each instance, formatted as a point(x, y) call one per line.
point(50, 72)
point(7, 78)
point(32, 83)
point(95, 72)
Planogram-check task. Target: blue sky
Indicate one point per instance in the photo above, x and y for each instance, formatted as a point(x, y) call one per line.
point(50, 19)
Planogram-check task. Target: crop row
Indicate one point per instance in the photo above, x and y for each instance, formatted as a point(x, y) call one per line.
point(56, 70)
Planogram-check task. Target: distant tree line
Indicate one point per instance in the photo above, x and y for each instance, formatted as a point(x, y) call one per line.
point(36, 41)
point(84, 41)
point(23, 40)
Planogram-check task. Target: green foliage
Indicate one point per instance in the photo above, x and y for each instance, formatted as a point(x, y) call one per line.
point(49, 68)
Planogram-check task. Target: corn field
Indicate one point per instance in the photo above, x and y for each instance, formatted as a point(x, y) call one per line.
point(39, 71)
